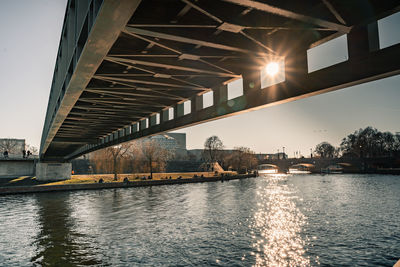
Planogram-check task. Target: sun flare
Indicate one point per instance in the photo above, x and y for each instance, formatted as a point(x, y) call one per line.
point(272, 68)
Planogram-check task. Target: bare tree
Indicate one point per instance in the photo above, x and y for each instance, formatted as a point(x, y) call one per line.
point(9, 145)
point(109, 159)
point(133, 158)
point(154, 155)
point(32, 149)
point(213, 147)
point(117, 153)
point(100, 161)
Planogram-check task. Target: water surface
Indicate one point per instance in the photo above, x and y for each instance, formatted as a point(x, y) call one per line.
point(301, 220)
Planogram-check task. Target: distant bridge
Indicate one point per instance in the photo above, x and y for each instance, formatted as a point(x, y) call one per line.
point(350, 164)
point(127, 69)
point(317, 163)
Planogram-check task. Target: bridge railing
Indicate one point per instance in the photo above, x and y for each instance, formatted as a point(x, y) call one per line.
point(79, 18)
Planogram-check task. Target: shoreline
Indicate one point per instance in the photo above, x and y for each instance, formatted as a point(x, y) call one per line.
point(99, 186)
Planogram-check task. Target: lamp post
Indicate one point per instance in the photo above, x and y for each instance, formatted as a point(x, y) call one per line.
point(283, 149)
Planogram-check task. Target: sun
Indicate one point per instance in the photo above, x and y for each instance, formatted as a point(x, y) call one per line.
point(272, 68)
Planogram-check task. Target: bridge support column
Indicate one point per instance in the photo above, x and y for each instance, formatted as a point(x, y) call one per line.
point(53, 171)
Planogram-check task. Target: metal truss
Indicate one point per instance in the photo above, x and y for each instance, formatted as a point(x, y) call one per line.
point(160, 53)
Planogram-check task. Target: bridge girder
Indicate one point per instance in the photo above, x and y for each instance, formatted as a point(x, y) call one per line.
point(141, 58)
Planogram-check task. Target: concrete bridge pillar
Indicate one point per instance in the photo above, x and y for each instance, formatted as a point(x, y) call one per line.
point(53, 171)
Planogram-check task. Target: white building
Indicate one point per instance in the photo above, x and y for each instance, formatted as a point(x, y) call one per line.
point(174, 142)
point(14, 147)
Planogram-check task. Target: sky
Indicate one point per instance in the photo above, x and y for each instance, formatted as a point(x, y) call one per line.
point(29, 37)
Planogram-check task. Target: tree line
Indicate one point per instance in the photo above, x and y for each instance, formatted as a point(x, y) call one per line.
point(363, 143)
point(240, 159)
point(150, 156)
point(134, 157)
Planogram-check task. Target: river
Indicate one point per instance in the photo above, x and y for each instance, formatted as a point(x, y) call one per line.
point(281, 220)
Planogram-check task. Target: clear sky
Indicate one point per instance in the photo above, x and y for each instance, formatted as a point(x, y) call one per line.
point(29, 36)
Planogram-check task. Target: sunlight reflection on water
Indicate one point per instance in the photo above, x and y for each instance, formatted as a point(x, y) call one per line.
point(271, 220)
point(278, 223)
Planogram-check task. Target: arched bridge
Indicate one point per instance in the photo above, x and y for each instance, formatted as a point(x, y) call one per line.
point(128, 69)
point(313, 164)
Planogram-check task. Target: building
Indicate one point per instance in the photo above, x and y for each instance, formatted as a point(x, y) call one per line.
point(174, 142)
point(180, 139)
point(13, 146)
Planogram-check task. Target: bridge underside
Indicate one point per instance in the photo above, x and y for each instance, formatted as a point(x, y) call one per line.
point(143, 57)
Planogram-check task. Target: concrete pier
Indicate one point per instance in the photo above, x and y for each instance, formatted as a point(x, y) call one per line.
point(48, 171)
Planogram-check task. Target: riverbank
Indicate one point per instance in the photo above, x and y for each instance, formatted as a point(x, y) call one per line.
point(54, 187)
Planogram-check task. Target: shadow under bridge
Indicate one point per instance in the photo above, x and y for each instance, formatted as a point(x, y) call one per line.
point(129, 69)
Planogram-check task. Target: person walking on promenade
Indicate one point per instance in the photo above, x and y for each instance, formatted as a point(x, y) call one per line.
point(23, 153)
point(28, 154)
point(5, 154)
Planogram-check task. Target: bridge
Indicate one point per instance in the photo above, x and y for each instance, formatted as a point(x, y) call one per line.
point(350, 165)
point(129, 69)
point(315, 164)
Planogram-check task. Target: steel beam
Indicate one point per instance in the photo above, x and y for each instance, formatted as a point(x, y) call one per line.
point(168, 66)
point(290, 14)
point(110, 75)
point(182, 39)
point(102, 36)
point(369, 67)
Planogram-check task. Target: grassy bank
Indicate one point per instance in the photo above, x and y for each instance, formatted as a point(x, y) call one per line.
point(90, 184)
point(109, 178)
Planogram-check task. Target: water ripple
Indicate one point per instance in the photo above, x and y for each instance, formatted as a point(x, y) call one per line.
point(305, 220)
